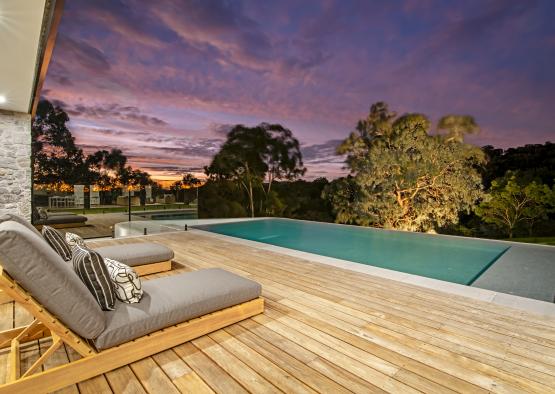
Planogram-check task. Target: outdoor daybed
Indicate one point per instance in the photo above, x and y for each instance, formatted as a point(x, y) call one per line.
point(145, 257)
point(173, 310)
point(60, 220)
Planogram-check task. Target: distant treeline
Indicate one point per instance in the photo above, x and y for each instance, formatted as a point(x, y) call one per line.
point(298, 199)
point(534, 161)
point(303, 199)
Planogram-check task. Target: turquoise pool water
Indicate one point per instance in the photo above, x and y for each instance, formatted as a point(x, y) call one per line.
point(457, 260)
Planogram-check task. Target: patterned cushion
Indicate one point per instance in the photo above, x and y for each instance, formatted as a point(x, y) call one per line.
point(42, 213)
point(90, 267)
point(125, 280)
point(57, 241)
point(73, 239)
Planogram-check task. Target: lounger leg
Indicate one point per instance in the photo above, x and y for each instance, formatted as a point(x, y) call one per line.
point(57, 342)
point(36, 332)
point(4, 298)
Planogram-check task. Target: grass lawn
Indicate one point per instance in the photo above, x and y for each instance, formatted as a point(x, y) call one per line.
point(113, 209)
point(535, 240)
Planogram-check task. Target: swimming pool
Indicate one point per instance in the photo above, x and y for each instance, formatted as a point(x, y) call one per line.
point(453, 259)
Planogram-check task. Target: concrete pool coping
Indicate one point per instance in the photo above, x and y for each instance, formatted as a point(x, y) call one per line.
point(477, 293)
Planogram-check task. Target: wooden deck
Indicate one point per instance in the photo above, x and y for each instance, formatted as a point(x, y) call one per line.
point(331, 330)
point(98, 224)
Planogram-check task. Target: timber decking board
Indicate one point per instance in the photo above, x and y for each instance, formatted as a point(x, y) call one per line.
point(327, 329)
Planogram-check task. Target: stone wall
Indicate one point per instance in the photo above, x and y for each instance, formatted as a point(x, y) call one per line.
point(15, 163)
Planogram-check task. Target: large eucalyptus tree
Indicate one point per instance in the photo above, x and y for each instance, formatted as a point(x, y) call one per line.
point(406, 177)
point(257, 156)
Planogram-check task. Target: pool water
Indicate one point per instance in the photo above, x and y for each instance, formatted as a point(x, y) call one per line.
point(453, 259)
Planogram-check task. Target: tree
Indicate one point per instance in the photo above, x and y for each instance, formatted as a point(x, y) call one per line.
point(114, 160)
point(134, 177)
point(189, 180)
point(220, 199)
point(457, 126)
point(541, 204)
point(300, 199)
point(535, 161)
point(282, 155)
point(406, 178)
point(342, 194)
point(55, 157)
point(175, 187)
point(510, 203)
point(250, 154)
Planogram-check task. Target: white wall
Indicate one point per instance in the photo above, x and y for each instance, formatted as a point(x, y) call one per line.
point(15, 163)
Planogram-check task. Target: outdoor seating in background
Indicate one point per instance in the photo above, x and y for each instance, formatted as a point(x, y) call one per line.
point(61, 202)
point(166, 199)
point(79, 195)
point(94, 197)
point(58, 219)
point(148, 194)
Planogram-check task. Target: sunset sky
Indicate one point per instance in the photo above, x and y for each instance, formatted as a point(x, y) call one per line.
point(164, 80)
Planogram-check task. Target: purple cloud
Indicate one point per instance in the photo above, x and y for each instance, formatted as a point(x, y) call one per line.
point(166, 80)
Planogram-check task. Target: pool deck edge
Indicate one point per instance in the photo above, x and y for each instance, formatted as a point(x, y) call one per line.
point(503, 299)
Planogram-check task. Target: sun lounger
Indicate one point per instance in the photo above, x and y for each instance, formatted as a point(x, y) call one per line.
point(61, 221)
point(173, 310)
point(145, 257)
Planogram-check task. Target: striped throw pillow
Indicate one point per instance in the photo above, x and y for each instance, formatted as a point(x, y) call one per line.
point(57, 241)
point(125, 280)
point(90, 267)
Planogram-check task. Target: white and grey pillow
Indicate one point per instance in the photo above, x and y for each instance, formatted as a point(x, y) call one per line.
point(90, 267)
point(57, 241)
point(73, 239)
point(125, 280)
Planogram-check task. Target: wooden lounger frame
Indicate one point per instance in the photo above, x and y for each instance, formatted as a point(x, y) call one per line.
point(61, 225)
point(153, 268)
point(94, 362)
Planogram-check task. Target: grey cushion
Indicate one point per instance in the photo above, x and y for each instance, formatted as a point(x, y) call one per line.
point(19, 219)
point(52, 214)
point(29, 259)
point(137, 253)
point(174, 299)
point(62, 219)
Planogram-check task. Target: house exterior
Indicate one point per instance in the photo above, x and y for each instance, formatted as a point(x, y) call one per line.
point(27, 36)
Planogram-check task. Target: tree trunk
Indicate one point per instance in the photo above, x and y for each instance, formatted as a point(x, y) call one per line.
point(251, 198)
point(270, 179)
point(530, 228)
